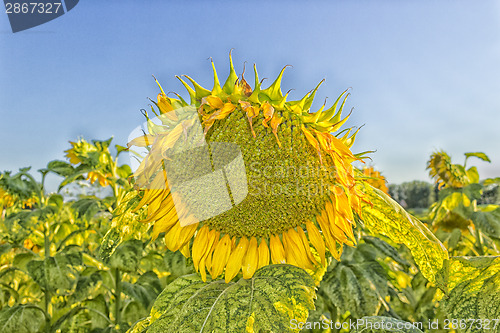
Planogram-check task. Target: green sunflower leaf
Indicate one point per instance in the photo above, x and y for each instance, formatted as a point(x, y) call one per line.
point(479, 155)
point(267, 302)
point(358, 284)
point(22, 319)
point(127, 256)
point(386, 217)
point(472, 290)
point(61, 168)
point(56, 273)
point(488, 222)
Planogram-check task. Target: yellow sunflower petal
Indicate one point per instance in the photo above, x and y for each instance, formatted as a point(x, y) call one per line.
point(214, 102)
point(263, 254)
point(268, 111)
point(236, 259)
point(172, 236)
point(203, 272)
point(200, 244)
point(164, 224)
point(290, 253)
point(251, 259)
point(305, 244)
point(187, 233)
point(316, 240)
point(142, 141)
point(209, 254)
point(277, 250)
point(185, 250)
point(221, 255)
point(329, 239)
point(275, 122)
point(296, 249)
point(165, 107)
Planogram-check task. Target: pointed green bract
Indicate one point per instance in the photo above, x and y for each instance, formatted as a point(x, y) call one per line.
point(332, 113)
point(200, 92)
point(274, 90)
point(216, 90)
point(191, 92)
point(228, 87)
point(308, 101)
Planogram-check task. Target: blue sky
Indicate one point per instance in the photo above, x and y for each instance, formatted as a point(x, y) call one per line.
point(425, 75)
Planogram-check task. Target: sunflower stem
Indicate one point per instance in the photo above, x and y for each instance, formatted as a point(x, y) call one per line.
point(477, 234)
point(46, 240)
point(118, 291)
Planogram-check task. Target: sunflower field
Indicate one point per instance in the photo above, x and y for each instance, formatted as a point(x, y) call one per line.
point(245, 211)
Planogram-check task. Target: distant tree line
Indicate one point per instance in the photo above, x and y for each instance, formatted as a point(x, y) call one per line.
point(421, 194)
point(414, 194)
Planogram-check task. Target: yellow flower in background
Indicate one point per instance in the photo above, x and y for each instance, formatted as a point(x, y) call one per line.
point(303, 192)
point(79, 151)
point(71, 154)
point(94, 176)
point(6, 200)
point(29, 203)
point(375, 179)
point(92, 156)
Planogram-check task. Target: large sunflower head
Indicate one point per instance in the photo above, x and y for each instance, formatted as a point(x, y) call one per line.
point(299, 199)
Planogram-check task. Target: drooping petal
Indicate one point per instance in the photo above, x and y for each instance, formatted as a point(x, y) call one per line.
point(251, 259)
point(277, 250)
point(141, 141)
point(214, 102)
point(316, 240)
point(268, 111)
point(200, 245)
point(298, 249)
point(263, 254)
point(222, 253)
point(305, 244)
point(236, 259)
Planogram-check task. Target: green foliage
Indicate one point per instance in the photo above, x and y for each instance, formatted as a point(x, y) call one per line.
point(457, 210)
point(51, 277)
point(387, 218)
point(358, 284)
point(127, 256)
point(55, 273)
point(488, 220)
point(415, 194)
point(87, 263)
point(22, 319)
point(472, 290)
point(265, 303)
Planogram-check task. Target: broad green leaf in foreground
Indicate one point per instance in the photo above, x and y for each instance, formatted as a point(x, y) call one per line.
point(22, 319)
point(386, 217)
point(268, 301)
point(472, 289)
